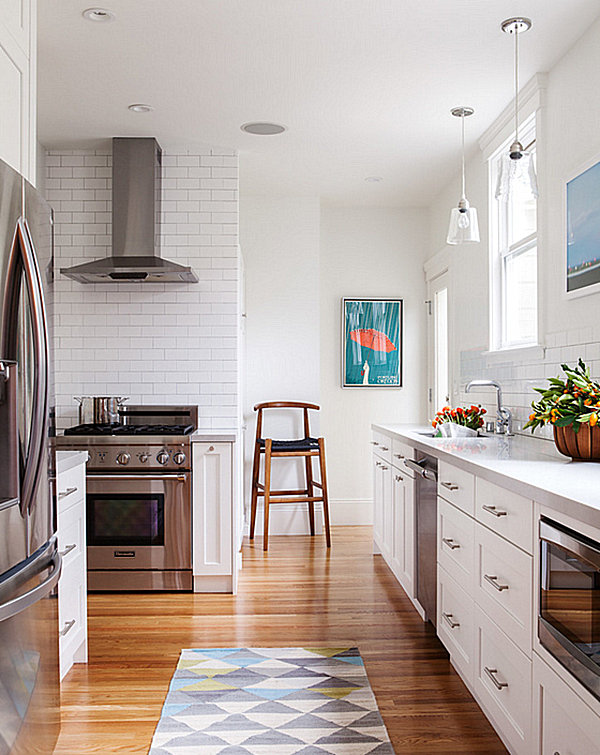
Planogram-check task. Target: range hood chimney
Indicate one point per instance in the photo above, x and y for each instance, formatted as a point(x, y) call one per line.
point(136, 197)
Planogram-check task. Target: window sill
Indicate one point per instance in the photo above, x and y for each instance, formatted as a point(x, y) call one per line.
point(526, 352)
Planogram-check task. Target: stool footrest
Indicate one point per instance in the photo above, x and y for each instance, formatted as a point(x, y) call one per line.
point(283, 492)
point(308, 499)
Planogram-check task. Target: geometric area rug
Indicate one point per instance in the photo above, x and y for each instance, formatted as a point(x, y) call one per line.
point(270, 701)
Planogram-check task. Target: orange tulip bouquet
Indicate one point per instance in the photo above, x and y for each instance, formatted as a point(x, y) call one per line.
point(459, 422)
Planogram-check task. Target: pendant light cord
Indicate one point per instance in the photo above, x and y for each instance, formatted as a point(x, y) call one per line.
point(517, 82)
point(462, 121)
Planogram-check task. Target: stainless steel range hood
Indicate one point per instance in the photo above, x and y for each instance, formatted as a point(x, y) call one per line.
point(136, 195)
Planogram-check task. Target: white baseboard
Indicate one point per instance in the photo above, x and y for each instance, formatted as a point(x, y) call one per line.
point(292, 519)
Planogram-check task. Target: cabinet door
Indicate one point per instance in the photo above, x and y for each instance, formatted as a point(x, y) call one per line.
point(388, 514)
point(17, 114)
point(212, 509)
point(567, 725)
point(377, 505)
point(403, 564)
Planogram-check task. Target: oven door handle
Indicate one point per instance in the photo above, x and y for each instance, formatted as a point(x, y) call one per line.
point(180, 477)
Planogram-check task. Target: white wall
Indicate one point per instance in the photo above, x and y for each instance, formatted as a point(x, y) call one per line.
point(300, 260)
point(279, 238)
point(368, 252)
point(568, 135)
point(156, 343)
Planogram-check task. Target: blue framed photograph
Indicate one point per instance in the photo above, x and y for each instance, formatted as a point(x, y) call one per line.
point(371, 343)
point(583, 231)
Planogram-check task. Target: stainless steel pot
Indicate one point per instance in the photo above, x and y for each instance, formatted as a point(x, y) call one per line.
point(100, 410)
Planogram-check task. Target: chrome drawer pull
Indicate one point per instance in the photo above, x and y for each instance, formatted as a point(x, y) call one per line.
point(490, 672)
point(453, 624)
point(65, 493)
point(384, 448)
point(68, 549)
point(450, 485)
point(374, 442)
point(399, 479)
point(67, 627)
point(450, 543)
point(384, 467)
point(494, 584)
point(399, 456)
point(493, 510)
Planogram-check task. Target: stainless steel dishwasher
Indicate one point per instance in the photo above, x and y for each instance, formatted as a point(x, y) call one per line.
point(426, 523)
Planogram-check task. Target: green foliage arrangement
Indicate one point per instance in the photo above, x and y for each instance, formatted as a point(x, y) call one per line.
point(571, 401)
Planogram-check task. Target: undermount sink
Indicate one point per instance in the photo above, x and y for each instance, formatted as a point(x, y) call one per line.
point(428, 433)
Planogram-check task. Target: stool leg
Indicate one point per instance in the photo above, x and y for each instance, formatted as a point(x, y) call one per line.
point(310, 488)
point(324, 484)
point(267, 492)
point(255, 472)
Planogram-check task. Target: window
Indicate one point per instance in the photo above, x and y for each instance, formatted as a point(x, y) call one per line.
point(513, 248)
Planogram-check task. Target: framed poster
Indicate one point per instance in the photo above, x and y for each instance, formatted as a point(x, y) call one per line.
point(583, 231)
point(371, 343)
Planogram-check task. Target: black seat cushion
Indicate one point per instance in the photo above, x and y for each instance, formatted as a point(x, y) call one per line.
point(302, 444)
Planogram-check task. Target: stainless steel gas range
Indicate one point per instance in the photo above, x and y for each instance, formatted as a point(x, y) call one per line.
point(138, 498)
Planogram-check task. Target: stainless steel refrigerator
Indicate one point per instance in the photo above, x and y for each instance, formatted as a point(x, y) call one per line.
point(29, 560)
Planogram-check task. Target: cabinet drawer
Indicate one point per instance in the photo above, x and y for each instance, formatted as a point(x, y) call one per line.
point(70, 487)
point(504, 585)
point(382, 446)
point(502, 681)
point(401, 451)
point(71, 533)
point(508, 514)
point(456, 623)
point(456, 543)
point(566, 724)
point(457, 486)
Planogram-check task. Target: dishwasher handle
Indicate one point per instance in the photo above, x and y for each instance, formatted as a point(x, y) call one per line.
point(417, 466)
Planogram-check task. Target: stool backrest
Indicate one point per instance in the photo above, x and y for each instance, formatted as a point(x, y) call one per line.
point(284, 405)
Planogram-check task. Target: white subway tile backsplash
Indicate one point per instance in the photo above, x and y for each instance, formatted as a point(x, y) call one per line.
point(152, 342)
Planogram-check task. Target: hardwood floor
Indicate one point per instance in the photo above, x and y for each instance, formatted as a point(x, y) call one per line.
point(296, 594)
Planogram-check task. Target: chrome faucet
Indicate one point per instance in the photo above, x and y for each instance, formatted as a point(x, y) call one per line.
point(504, 415)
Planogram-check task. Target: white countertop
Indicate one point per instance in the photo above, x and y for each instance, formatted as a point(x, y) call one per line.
point(66, 460)
point(529, 466)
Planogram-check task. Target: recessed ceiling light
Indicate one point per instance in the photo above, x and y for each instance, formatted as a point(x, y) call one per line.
point(263, 128)
point(373, 179)
point(98, 14)
point(139, 107)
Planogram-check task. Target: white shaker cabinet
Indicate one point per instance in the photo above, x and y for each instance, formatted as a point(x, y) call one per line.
point(72, 586)
point(18, 85)
point(212, 517)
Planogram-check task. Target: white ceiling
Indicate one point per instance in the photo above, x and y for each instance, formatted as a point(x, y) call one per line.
point(365, 87)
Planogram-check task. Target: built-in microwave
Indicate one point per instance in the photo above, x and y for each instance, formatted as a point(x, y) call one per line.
point(569, 601)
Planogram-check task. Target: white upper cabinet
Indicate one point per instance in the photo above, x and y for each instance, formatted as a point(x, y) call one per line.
point(18, 85)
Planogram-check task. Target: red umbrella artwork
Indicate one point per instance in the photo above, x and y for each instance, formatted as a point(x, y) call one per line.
point(372, 339)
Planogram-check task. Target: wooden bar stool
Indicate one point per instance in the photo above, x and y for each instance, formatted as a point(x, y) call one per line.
point(306, 447)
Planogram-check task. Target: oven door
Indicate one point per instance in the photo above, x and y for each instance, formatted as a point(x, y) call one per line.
point(138, 522)
point(569, 613)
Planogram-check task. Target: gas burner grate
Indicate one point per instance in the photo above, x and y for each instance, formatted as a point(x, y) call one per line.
point(117, 429)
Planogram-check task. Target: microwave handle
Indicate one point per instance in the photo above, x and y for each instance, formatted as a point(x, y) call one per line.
point(554, 534)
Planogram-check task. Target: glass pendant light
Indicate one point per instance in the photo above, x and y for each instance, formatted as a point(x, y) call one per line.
point(463, 228)
point(516, 171)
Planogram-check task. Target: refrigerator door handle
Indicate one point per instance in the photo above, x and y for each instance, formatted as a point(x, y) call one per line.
point(22, 602)
point(26, 262)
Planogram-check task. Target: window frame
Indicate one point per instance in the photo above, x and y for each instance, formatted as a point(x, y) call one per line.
point(501, 250)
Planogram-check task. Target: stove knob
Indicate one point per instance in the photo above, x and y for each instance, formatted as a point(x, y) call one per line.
point(163, 458)
point(123, 458)
point(179, 457)
point(144, 458)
